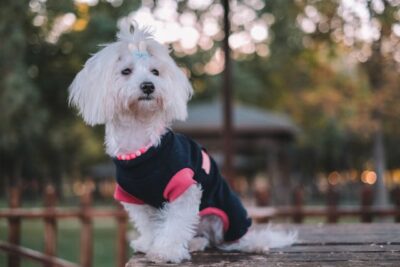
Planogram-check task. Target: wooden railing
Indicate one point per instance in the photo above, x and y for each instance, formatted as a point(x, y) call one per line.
point(332, 211)
point(50, 215)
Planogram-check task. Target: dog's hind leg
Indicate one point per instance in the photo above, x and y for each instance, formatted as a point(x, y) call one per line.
point(209, 233)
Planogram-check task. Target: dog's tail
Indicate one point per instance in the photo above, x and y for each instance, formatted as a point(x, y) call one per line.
point(262, 240)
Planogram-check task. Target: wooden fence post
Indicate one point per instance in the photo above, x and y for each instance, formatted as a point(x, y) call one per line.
point(298, 202)
point(366, 204)
point(332, 200)
point(87, 230)
point(396, 199)
point(122, 225)
point(14, 225)
point(262, 196)
point(50, 223)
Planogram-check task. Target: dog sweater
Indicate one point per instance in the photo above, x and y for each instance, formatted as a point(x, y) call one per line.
point(163, 173)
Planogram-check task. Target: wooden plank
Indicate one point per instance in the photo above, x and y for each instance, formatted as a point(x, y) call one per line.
point(261, 214)
point(272, 259)
point(34, 255)
point(59, 213)
point(347, 233)
point(339, 257)
point(355, 245)
point(347, 248)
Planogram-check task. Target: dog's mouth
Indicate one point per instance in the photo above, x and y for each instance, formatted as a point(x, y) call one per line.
point(145, 105)
point(146, 98)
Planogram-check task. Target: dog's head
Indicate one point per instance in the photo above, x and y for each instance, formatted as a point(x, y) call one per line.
point(132, 77)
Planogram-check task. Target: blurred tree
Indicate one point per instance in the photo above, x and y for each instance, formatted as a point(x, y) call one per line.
point(304, 81)
point(369, 34)
point(22, 116)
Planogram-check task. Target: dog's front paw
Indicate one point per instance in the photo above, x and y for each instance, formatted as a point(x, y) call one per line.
point(141, 244)
point(172, 254)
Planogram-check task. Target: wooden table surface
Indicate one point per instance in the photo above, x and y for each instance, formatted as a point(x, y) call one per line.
point(318, 245)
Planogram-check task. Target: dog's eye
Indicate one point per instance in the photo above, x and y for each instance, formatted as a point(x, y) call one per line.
point(126, 71)
point(155, 72)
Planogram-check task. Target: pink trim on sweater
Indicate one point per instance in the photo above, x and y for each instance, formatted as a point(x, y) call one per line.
point(218, 212)
point(121, 195)
point(205, 165)
point(178, 184)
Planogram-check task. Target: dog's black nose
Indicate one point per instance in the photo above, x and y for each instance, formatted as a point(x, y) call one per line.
point(147, 87)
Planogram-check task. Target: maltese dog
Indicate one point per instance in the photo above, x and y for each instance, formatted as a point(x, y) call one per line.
point(169, 185)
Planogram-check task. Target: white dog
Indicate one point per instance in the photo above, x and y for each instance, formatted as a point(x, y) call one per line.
point(168, 184)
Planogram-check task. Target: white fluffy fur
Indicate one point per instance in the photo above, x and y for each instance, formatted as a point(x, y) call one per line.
point(165, 233)
point(104, 96)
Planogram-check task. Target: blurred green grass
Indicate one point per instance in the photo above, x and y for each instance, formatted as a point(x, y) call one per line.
point(104, 235)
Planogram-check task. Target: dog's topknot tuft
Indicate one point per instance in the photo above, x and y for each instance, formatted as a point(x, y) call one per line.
point(129, 31)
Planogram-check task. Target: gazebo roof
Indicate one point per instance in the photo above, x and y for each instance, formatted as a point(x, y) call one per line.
point(206, 119)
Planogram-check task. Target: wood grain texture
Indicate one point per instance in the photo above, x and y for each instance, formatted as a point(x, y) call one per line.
point(352, 245)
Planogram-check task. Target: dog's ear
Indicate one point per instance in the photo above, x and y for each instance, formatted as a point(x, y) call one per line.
point(89, 90)
point(182, 89)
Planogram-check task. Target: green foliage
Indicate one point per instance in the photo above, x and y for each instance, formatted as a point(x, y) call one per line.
point(21, 115)
point(40, 136)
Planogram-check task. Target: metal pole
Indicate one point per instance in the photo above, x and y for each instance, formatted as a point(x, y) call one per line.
point(227, 100)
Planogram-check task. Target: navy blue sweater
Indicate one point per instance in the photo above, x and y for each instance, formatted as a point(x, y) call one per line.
point(147, 178)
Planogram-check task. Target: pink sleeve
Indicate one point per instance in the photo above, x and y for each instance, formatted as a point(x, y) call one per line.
point(123, 196)
point(178, 184)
